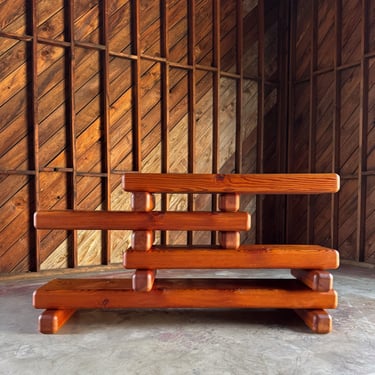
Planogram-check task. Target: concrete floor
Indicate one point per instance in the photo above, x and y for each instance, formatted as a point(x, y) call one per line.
point(192, 341)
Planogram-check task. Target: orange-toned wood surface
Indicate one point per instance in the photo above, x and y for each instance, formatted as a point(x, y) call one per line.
point(318, 320)
point(181, 293)
point(143, 280)
point(229, 202)
point(230, 240)
point(106, 220)
point(234, 183)
point(247, 256)
point(50, 321)
point(314, 279)
point(142, 239)
point(142, 201)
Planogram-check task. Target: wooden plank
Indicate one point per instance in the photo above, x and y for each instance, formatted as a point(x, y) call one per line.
point(321, 281)
point(118, 220)
point(318, 320)
point(181, 293)
point(50, 321)
point(302, 183)
point(246, 256)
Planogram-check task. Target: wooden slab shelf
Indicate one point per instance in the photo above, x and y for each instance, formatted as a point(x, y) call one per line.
point(182, 293)
point(247, 256)
point(309, 291)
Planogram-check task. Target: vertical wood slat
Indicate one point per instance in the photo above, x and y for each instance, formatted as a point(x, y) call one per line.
point(165, 84)
point(312, 117)
point(216, 99)
point(260, 122)
point(336, 121)
point(72, 199)
point(191, 103)
point(106, 248)
point(35, 263)
point(136, 92)
point(291, 112)
point(239, 86)
point(362, 159)
point(282, 102)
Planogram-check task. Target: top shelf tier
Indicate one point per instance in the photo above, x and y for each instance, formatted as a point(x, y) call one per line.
point(304, 183)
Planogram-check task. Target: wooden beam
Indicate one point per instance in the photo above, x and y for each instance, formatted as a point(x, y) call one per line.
point(318, 320)
point(233, 183)
point(181, 293)
point(315, 279)
point(119, 220)
point(246, 256)
point(50, 321)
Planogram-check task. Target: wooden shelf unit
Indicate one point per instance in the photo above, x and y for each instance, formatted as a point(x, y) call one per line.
point(309, 292)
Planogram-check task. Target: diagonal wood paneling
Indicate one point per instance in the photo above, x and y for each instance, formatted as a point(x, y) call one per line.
point(59, 160)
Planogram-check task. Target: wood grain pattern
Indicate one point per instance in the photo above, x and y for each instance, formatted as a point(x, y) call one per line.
point(142, 239)
point(117, 220)
point(229, 240)
point(143, 280)
point(232, 183)
point(51, 320)
point(315, 279)
point(247, 256)
point(181, 293)
point(318, 320)
point(229, 202)
point(143, 201)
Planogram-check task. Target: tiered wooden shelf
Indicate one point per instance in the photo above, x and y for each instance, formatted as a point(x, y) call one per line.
point(309, 292)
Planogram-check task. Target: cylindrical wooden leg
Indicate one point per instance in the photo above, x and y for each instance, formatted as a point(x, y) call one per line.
point(142, 280)
point(229, 202)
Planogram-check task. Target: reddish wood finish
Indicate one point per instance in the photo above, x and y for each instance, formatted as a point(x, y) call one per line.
point(321, 281)
point(142, 239)
point(143, 280)
point(143, 201)
point(181, 293)
point(227, 221)
point(229, 202)
point(50, 321)
point(238, 183)
point(319, 321)
point(247, 256)
point(230, 240)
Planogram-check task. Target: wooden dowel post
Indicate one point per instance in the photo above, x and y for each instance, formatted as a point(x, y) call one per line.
point(321, 281)
point(229, 202)
point(142, 240)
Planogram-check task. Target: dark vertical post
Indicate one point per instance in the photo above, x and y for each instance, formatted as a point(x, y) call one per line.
point(260, 125)
point(363, 111)
point(106, 252)
point(136, 87)
point(70, 110)
point(312, 118)
point(292, 69)
point(336, 122)
point(282, 102)
point(164, 104)
point(216, 99)
point(191, 102)
point(239, 86)
point(35, 263)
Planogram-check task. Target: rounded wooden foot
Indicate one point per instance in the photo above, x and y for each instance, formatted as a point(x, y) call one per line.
point(50, 321)
point(319, 321)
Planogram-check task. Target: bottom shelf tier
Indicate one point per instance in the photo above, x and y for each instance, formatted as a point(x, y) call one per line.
point(62, 297)
point(182, 293)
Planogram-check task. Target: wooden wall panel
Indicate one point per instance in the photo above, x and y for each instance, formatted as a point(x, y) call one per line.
point(332, 101)
point(86, 99)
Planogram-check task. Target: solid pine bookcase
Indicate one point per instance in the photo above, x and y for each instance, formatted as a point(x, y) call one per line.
point(309, 292)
